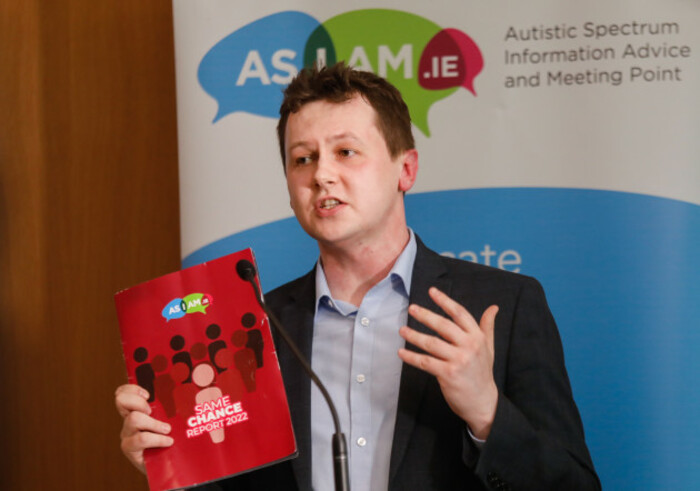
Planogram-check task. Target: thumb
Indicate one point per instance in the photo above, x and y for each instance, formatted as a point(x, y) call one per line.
point(487, 324)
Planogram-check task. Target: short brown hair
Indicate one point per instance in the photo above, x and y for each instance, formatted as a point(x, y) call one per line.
point(339, 83)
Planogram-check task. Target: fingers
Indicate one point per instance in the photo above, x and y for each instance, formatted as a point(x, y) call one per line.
point(140, 432)
point(130, 397)
point(461, 320)
point(138, 442)
point(457, 313)
point(421, 361)
point(458, 335)
point(461, 357)
point(487, 324)
point(132, 403)
point(443, 326)
point(428, 343)
point(139, 423)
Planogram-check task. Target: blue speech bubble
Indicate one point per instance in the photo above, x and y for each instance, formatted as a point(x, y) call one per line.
point(248, 69)
point(174, 310)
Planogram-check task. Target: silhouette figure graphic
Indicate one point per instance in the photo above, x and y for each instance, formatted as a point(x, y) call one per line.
point(203, 376)
point(255, 339)
point(213, 332)
point(244, 359)
point(144, 372)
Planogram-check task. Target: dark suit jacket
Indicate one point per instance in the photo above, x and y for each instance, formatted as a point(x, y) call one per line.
point(536, 441)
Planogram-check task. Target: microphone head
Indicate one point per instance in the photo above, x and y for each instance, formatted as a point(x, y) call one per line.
point(245, 270)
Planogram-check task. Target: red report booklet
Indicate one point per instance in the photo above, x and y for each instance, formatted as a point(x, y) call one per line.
point(200, 344)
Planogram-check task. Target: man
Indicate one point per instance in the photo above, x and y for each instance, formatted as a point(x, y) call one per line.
point(444, 402)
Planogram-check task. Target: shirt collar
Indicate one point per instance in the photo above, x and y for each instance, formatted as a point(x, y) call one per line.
point(401, 274)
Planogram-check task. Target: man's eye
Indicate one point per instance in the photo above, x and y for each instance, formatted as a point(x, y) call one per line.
point(302, 160)
point(346, 152)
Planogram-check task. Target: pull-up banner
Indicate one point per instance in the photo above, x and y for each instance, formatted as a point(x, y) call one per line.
point(558, 141)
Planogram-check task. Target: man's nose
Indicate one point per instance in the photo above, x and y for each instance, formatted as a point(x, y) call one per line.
point(326, 169)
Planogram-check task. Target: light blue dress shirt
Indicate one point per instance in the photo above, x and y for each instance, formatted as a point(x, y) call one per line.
point(354, 354)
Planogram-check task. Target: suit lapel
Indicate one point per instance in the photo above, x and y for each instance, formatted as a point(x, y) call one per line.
point(428, 270)
point(297, 316)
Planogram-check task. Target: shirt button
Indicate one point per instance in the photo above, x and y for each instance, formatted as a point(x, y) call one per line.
point(360, 378)
point(364, 321)
point(361, 442)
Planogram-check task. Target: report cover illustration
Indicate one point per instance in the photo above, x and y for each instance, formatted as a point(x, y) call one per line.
point(200, 344)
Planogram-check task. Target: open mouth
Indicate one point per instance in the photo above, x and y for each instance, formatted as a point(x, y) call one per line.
point(330, 203)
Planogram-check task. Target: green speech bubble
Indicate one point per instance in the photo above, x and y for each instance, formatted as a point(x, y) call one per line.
point(386, 42)
point(195, 302)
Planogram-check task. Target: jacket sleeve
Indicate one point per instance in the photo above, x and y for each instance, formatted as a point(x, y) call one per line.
point(537, 439)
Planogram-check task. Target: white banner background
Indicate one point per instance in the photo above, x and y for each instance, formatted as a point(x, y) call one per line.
point(593, 186)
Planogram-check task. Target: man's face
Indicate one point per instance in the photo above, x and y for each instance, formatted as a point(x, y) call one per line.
point(344, 186)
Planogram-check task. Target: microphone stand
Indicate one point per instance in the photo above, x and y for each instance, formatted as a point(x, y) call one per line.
point(247, 272)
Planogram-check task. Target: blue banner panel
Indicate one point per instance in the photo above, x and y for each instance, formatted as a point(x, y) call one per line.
point(621, 274)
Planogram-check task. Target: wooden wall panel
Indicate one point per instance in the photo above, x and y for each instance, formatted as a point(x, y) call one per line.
point(22, 265)
point(88, 205)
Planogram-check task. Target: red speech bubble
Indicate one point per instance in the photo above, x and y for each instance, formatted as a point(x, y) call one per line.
point(450, 59)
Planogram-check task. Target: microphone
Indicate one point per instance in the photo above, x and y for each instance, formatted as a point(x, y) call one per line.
point(246, 271)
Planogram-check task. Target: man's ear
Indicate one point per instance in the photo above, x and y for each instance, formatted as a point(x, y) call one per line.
point(409, 169)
